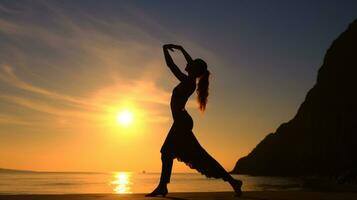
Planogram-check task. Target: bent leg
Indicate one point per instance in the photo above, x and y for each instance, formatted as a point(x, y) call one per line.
point(161, 189)
point(167, 162)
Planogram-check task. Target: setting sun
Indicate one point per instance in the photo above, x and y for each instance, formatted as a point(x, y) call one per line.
point(125, 118)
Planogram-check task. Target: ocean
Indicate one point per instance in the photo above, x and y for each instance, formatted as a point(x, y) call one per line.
point(129, 182)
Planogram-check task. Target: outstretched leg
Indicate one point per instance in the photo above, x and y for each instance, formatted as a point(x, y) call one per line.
point(166, 169)
point(207, 165)
point(236, 184)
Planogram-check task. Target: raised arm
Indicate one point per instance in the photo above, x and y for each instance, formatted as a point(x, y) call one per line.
point(170, 63)
point(185, 54)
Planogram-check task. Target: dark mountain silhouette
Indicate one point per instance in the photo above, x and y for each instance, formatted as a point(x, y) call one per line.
point(321, 140)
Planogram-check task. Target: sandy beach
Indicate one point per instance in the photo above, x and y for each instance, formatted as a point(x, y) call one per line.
point(262, 195)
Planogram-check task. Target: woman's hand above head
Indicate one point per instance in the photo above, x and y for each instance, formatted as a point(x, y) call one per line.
point(170, 63)
point(171, 47)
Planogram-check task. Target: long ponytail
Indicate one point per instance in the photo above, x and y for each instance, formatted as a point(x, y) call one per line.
point(202, 90)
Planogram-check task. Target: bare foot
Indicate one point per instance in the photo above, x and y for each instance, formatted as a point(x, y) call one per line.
point(159, 191)
point(237, 186)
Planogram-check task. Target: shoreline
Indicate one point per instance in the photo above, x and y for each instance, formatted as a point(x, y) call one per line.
point(250, 195)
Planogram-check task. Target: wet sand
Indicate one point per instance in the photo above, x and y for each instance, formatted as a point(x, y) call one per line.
point(261, 195)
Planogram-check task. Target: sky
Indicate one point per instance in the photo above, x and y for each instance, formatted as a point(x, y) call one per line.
point(69, 68)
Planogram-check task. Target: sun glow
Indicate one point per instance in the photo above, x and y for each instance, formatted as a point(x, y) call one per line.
point(125, 118)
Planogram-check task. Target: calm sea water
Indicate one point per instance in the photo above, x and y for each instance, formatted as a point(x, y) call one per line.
point(129, 182)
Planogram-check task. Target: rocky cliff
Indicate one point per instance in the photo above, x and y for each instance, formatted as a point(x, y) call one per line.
point(322, 138)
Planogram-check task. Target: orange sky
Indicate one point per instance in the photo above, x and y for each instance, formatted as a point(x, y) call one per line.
point(67, 70)
point(64, 115)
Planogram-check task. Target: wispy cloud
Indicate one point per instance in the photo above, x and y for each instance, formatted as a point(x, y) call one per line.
point(79, 65)
point(96, 46)
point(8, 119)
point(7, 75)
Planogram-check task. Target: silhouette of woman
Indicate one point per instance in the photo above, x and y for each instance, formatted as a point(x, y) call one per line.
point(180, 142)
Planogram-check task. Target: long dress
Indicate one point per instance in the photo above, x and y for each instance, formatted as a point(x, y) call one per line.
point(181, 143)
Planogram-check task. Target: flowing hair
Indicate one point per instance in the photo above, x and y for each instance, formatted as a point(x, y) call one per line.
point(202, 90)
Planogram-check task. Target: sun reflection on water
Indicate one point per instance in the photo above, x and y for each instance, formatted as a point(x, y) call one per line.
point(122, 183)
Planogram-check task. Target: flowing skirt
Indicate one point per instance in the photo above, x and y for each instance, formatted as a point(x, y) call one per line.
point(181, 143)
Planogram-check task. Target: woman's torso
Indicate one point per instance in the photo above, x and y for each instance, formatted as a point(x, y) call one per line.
point(180, 95)
point(181, 130)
